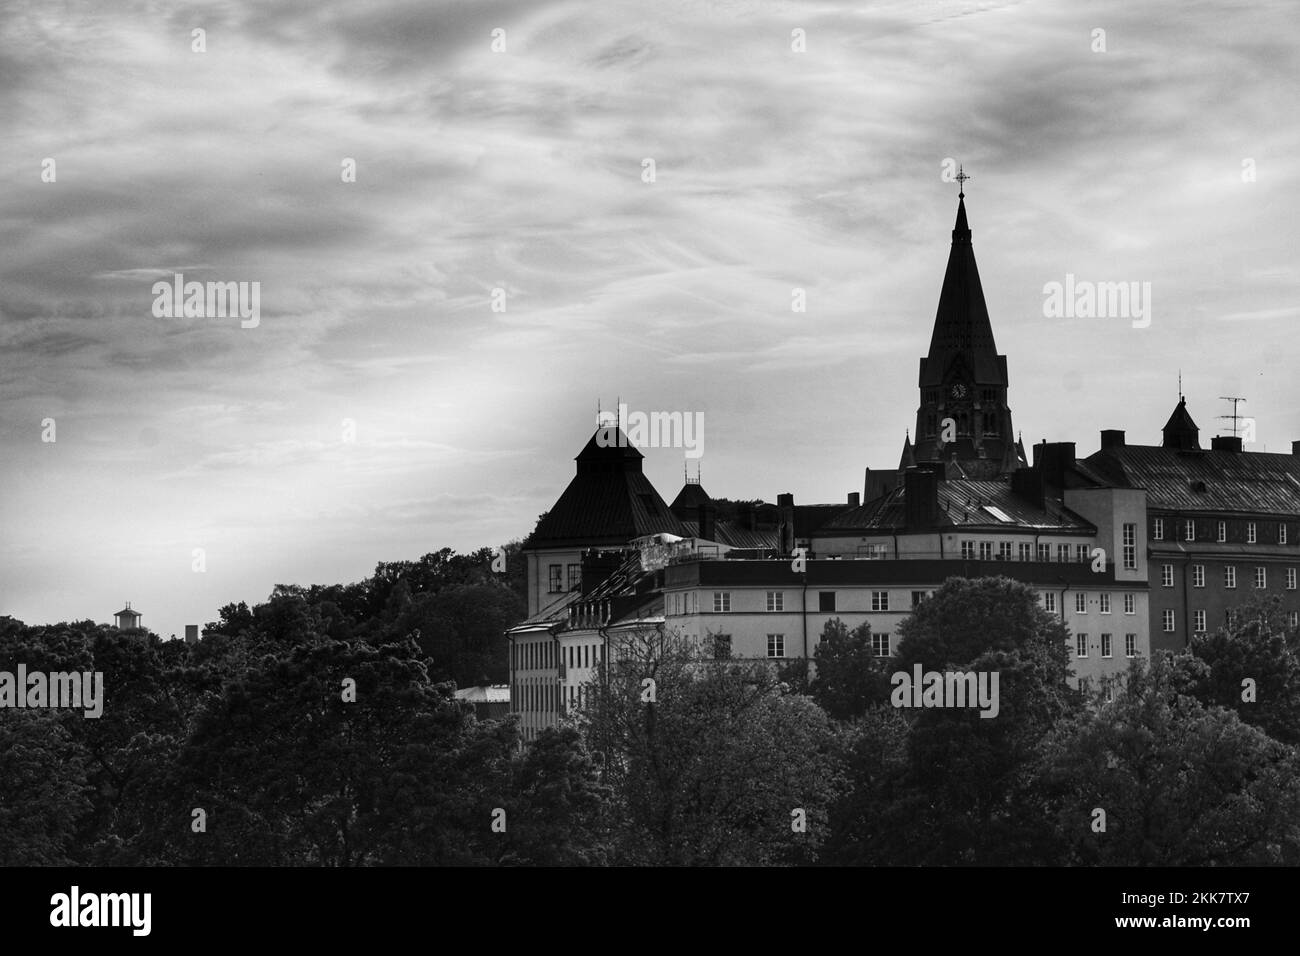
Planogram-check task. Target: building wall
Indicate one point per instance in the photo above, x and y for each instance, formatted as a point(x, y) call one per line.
point(540, 594)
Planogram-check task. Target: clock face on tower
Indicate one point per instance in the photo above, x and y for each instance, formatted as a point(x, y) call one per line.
point(959, 390)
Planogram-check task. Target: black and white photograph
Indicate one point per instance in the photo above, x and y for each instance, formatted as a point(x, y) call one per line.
point(614, 436)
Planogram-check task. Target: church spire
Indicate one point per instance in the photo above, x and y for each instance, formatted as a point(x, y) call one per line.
point(963, 379)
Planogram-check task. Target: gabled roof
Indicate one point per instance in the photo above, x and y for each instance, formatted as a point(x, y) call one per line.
point(733, 535)
point(963, 503)
point(1245, 482)
point(908, 458)
point(609, 500)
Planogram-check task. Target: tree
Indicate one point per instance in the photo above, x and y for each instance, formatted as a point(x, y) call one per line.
point(1179, 783)
point(43, 789)
point(850, 679)
point(1254, 669)
point(711, 762)
point(967, 774)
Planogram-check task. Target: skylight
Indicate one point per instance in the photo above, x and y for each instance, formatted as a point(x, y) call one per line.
point(998, 513)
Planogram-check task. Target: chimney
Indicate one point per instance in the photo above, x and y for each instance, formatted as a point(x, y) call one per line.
point(191, 633)
point(1112, 438)
point(785, 509)
point(707, 513)
point(854, 499)
point(1225, 443)
point(1027, 483)
point(1053, 459)
point(920, 498)
point(1295, 448)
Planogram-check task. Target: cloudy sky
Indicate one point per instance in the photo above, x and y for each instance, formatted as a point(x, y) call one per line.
point(1167, 158)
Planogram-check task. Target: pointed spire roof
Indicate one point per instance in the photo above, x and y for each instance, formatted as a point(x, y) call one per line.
point(1180, 431)
point(908, 458)
point(961, 324)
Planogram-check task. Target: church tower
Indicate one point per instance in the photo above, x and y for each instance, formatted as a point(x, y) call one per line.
point(963, 378)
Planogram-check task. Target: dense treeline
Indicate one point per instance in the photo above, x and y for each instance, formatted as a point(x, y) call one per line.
point(320, 728)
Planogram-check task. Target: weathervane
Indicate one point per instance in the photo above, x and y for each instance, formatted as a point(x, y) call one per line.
point(961, 183)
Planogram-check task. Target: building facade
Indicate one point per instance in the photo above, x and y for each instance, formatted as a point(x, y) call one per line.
point(1134, 548)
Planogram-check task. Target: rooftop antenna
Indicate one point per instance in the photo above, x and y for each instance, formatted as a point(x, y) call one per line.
point(1234, 417)
point(1180, 385)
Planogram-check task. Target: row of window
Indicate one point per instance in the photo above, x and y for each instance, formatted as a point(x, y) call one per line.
point(1081, 602)
point(1189, 530)
point(556, 578)
point(1081, 645)
point(776, 645)
point(540, 655)
point(1229, 576)
point(1081, 553)
point(776, 601)
point(1169, 620)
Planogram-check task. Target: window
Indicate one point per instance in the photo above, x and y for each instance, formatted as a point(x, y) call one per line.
point(1081, 645)
point(1062, 553)
point(1130, 604)
point(1004, 550)
point(986, 550)
point(1044, 552)
point(776, 600)
point(1223, 531)
point(1158, 529)
point(1295, 618)
point(1110, 694)
point(1049, 602)
point(1281, 533)
point(1230, 576)
point(917, 598)
point(967, 550)
point(1169, 621)
point(880, 644)
point(1081, 602)
point(1166, 575)
point(776, 645)
point(1198, 575)
point(1290, 579)
point(1130, 547)
point(1130, 645)
point(1198, 621)
point(1105, 645)
point(1261, 578)
point(1026, 551)
point(1081, 553)
point(1105, 602)
point(721, 601)
point(880, 600)
point(825, 600)
point(556, 582)
point(575, 577)
point(1189, 530)
point(1250, 532)
point(721, 646)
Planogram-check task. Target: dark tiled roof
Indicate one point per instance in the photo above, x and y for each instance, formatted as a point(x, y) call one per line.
point(962, 505)
point(734, 536)
point(605, 509)
point(689, 498)
point(1246, 482)
point(609, 500)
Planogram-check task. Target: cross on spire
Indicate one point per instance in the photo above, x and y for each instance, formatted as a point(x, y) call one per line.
point(961, 183)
